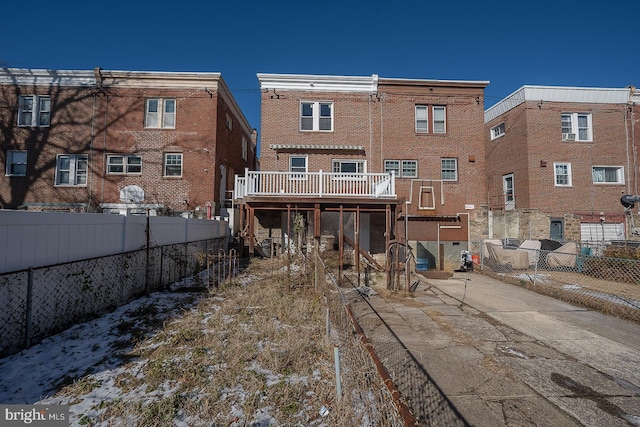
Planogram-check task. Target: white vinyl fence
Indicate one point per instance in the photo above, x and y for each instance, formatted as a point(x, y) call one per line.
point(36, 239)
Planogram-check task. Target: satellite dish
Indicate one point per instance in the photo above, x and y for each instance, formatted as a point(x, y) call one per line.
point(628, 201)
point(132, 194)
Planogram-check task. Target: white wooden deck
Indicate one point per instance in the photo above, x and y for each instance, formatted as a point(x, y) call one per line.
point(315, 184)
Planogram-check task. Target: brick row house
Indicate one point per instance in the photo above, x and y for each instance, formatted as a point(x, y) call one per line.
point(364, 160)
point(424, 137)
point(113, 141)
point(558, 161)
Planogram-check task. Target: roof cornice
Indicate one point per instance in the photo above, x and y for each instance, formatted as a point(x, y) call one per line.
point(157, 79)
point(41, 77)
point(316, 83)
point(434, 83)
point(567, 94)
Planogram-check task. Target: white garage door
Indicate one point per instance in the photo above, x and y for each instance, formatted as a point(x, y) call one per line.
point(597, 232)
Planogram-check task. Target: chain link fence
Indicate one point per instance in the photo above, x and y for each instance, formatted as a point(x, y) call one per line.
point(39, 302)
point(428, 404)
point(572, 273)
point(365, 398)
point(405, 393)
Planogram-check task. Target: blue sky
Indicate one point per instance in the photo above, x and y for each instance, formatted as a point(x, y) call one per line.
point(509, 43)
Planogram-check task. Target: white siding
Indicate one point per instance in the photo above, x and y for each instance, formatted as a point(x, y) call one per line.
point(597, 233)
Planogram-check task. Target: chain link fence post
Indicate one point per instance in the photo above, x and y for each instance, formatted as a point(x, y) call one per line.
point(29, 309)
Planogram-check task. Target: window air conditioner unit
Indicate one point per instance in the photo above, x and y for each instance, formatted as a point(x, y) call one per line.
point(568, 136)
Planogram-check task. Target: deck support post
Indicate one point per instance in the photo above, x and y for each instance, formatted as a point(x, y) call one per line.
point(356, 231)
point(341, 245)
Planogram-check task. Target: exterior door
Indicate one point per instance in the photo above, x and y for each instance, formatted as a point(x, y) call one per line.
point(507, 191)
point(556, 229)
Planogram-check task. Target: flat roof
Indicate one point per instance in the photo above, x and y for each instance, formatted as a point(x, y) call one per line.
point(588, 95)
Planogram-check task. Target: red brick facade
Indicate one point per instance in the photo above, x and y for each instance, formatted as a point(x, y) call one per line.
point(101, 114)
point(533, 143)
point(378, 123)
point(383, 125)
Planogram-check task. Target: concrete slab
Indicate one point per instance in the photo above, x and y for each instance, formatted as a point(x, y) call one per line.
point(507, 356)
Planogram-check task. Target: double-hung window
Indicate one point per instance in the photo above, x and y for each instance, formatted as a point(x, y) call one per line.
point(422, 118)
point(160, 113)
point(316, 116)
point(16, 163)
point(172, 164)
point(497, 131)
point(562, 174)
point(298, 164)
point(402, 168)
point(576, 127)
point(34, 110)
point(439, 119)
point(438, 122)
point(124, 164)
point(71, 169)
point(608, 174)
point(449, 169)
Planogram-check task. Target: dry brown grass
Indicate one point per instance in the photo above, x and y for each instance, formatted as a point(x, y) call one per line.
point(251, 351)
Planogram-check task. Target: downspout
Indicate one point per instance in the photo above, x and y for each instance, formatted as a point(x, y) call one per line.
point(371, 132)
point(381, 130)
point(90, 175)
point(632, 124)
point(98, 74)
point(626, 131)
point(104, 144)
point(635, 151)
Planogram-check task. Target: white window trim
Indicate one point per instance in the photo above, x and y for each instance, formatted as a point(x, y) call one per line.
point(430, 119)
point(574, 135)
point(619, 174)
point(11, 162)
point(388, 169)
point(498, 131)
point(164, 164)
point(303, 175)
point(444, 121)
point(245, 145)
point(341, 161)
point(36, 113)
point(509, 198)
point(400, 170)
point(228, 121)
point(125, 164)
point(315, 115)
point(163, 115)
point(569, 175)
point(74, 170)
point(455, 160)
point(354, 177)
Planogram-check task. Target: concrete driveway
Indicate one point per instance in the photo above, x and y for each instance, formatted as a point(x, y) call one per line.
point(507, 356)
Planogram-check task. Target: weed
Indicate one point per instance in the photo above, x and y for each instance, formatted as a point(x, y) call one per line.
point(246, 347)
point(82, 386)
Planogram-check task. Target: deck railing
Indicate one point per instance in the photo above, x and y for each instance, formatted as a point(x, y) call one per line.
point(315, 184)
